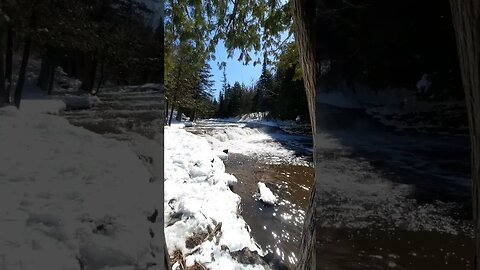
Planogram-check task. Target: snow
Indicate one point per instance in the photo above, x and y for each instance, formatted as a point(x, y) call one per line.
point(423, 85)
point(34, 101)
point(70, 195)
point(197, 199)
point(266, 195)
point(80, 102)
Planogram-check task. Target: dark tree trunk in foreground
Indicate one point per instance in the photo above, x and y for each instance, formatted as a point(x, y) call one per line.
point(8, 62)
point(304, 26)
point(2, 61)
point(87, 70)
point(466, 21)
point(171, 113)
point(23, 69)
point(46, 77)
point(102, 75)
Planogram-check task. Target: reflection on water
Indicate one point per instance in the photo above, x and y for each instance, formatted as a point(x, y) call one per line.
point(283, 162)
point(390, 199)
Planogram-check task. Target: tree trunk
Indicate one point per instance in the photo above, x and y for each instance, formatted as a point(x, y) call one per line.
point(47, 70)
point(166, 108)
point(171, 113)
point(88, 71)
point(466, 21)
point(304, 27)
point(102, 74)
point(51, 78)
point(2, 60)
point(21, 74)
point(8, 62)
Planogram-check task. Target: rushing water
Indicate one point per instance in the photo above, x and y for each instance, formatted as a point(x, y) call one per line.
point(390, 200)
point(283, 162)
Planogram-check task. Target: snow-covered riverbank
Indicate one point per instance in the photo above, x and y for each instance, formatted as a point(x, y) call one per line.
point(202, 215)
point(72, 199)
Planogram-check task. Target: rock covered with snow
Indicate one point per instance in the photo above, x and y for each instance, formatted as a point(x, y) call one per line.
point(266, 195)
point(71, 198)
point(202, 222)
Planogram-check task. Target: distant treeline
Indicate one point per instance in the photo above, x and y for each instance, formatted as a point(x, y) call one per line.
point(281, 92)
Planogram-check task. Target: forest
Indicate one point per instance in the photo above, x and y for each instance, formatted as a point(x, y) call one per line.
point(98, 42)
point(374, 44)
point(279, 91)
point(192, 31)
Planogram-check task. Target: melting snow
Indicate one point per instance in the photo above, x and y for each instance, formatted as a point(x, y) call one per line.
point(266, 195)
point(199, 204)
point(70, 196)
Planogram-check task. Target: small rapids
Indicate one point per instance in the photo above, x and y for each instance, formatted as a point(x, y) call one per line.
point(259, 153)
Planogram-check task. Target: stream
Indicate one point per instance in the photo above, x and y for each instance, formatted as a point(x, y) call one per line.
point(390, 200)
point(260, 153)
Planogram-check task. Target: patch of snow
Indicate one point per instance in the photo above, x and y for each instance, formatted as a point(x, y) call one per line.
point(71, 195)
point(266, 195)
point(197, 199)
point(84, 101)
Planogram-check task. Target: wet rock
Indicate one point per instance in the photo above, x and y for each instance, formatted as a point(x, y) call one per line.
point(195, 240)
point(246, 256)
point(274, 262)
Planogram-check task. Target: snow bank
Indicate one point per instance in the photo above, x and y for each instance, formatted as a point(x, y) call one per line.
point(266, 195)
point(71, 197)
point(201, 212)
point(365, 97)
point(83, 101)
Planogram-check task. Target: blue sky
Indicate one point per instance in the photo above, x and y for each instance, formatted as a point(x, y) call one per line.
point(236, 71)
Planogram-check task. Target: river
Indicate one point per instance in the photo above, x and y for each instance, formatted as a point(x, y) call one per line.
point(390, 200)
point(259, 153)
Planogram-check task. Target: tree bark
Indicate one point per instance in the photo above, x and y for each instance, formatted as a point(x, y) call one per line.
point(47, 72)
point(88, 71)
point(102, 74)
point(171, 113)
point(51, 78)
point(466, 21)
point(166, 108)
point(304, 26)
point(21, 75)
point(2, 60)
point(8, 62)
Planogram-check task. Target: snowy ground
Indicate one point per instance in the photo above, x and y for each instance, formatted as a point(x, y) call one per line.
point(402, 110)
point(202, 220)
point(72, 199)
